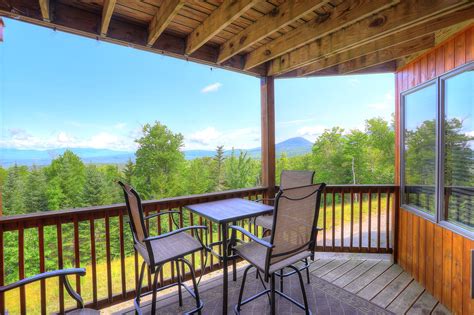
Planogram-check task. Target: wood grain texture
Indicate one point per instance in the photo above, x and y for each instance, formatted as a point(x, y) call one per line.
point(162, 19)
point(442, 256)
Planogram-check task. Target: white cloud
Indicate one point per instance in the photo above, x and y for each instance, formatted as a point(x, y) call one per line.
point(311, 132)
point(205, 136)
point(214, 87)
point(470, 133)
point(120, 125)
point(294, 122)
point(387, 105)
point(209, 138)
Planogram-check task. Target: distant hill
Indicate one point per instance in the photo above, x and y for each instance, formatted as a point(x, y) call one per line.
point(8, 157)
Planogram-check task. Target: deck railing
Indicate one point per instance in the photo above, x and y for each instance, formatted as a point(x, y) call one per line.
point(354, 218)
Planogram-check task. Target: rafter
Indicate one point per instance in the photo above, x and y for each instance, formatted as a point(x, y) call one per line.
point(278, 18)
point(107, 11)
point(162, 18)
point(224, 15)
point(343, 15)
point(388, 54)
point(388, 41)
point(389, 21)
point(45, 11)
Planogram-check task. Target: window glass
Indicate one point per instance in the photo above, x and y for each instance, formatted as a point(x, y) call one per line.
point(420, 149)
point(459, 149)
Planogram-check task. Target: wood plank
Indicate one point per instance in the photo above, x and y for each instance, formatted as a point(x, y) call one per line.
point(429, 259)
point(342, 270)
point(456, 278)
point(223, 16)
point(281, 16)
point(380, 283)
point(424, 305)
point(460, 49)
point(467, 301)
point(388, 54)
point(447, 267)
point(342, 16)
point(440, 309)
point(162, 19)
point(440, 60)
point(319, 263)
point(391, 291)
point(320, 272)
point(387, 22)
point(470, 44)
point(355, 273)
point(107, 11)
point(45, 10)
point(267, 106)
point(397, 38)
point(449, 55)
point(422, 247)
point(415, 245)
point(438, 262)
point(367, 277)
point(409, 239)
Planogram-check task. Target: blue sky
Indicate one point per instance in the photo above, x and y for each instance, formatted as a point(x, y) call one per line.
point(62, 90)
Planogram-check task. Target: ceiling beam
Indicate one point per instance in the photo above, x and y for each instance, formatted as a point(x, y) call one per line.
point(397, 38)
point(45, 11)
point(162, 18)
point(276, 19)
point(219, 19)
point(388, 54)
point(343, 15)
point(389, 21)
point(107, 11)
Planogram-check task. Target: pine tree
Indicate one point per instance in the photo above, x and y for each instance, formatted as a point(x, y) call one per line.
point(36, 198)
point(219, 168)
point(129, 171)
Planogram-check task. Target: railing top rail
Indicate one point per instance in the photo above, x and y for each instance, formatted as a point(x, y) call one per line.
point(174, 201)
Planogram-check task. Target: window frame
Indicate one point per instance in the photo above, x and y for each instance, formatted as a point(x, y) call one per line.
point(403, 95)
point(439, 216)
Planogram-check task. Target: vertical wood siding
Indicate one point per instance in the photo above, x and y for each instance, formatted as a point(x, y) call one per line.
point(436, 257)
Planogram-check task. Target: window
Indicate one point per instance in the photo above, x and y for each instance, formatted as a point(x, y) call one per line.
point(437, 150)
point(457, 100)
point(419, 110)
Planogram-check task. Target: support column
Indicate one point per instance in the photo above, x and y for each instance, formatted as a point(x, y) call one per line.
point(267, 99)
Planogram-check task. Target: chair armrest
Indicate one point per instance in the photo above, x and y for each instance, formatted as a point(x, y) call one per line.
point(160, 214)
point(251, 236)
point(265, 199)
point(319, 229)
point(45, 275)
point(194, 227)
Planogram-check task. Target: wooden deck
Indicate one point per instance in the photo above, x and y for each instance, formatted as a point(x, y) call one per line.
point(371, 276)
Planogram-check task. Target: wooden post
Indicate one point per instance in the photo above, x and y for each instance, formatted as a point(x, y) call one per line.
point(267, 92)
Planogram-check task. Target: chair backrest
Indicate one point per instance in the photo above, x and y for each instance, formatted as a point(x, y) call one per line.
point(294, 221)
point(135, 212)
point(291, 179)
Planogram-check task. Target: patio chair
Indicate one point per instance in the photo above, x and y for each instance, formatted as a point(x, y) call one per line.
point(61, 274)
point(293, 238)
point(158, 250)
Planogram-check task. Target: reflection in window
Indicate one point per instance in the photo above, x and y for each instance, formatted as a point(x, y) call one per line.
point(459, 149)
point(420, 149)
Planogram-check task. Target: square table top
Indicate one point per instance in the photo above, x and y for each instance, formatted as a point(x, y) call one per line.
point(229, 210)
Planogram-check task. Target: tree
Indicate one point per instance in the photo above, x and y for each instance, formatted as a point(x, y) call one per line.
point(14, 190)
point(240, 172)
point(159, 161)
point(128, 171)
point(94, 189)
point(199, 176)
point(219, 168)
point(36, 198)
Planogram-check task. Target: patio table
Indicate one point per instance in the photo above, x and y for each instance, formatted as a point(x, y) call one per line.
point(224, 212)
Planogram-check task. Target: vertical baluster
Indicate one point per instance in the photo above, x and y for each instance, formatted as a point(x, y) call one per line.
point(201, 253)
point(122, 254)
point(107, 254)
point(159, 233)
point(147, 225)
point(369, 234)
point(342, 218)
point(333, 220)
point(387, 222)
point(21, 265)
point(93, 258)
point(2, 272)
point(361, 197)
point(42, 267)
point(211, 240)
point(170, 228)
point(219, 239)
point(59, 234)
point(77, 255)
point(193, 256)
point(352, 219)
point(324, 220)
point(379, 214)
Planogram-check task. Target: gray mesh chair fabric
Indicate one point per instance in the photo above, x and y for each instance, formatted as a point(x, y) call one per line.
point(288, 179)
point(157, 250)
point(292, 239)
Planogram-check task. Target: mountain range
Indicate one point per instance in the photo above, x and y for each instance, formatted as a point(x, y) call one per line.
point(10, 156)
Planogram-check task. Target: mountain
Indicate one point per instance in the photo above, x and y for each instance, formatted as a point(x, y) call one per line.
point(8, 157)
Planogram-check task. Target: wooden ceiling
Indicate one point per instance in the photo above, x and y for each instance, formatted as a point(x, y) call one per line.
point(292, 38)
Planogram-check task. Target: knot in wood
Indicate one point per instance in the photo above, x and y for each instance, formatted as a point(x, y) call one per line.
point(378, 21)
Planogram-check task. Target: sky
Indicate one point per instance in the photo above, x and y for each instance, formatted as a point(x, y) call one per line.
point(60, 90)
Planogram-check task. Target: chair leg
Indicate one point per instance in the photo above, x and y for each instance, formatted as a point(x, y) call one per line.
point(180, 295)
point(241, 293)
point(139, 287)
point(195, 287)
point(272, 294)
point(155, 287)
point(307, 270)
point(305, 300)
